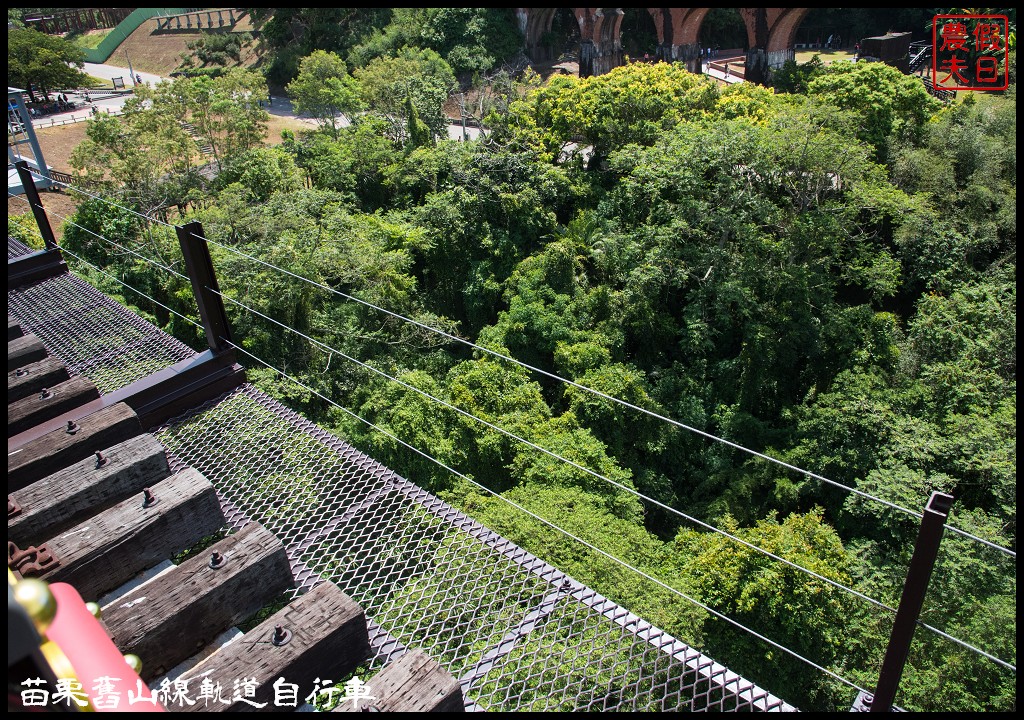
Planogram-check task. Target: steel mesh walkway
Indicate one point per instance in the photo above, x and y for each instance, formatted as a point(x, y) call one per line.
point(518, 633)
point(92, 334)
point(16, 248)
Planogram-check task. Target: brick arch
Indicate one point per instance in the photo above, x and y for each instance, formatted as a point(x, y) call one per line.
point(600, 40)
point(611, 25)
point(770, 35)
point(678, 32)
point(534, 23)
point(783, 26)
point(690, 21)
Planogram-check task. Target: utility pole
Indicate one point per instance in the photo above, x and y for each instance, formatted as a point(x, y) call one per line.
point(462, 109)
point(131, 73)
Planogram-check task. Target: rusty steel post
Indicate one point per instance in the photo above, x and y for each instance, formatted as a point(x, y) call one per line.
point(933, 522)
point(204, 285)
point(29, 184)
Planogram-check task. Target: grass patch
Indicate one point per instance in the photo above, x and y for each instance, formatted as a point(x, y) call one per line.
point(91, 81)
point(89, 40)
point(827, 56)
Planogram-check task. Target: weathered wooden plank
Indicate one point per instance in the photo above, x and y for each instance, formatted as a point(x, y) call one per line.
point(24, 350)
point(176, 614)
point(412, 683)
point(32, 378)
point(59, 501)
point(328, 639)
point(13, 329)
point(49, 403)
point(58, 448)
point(110, 548)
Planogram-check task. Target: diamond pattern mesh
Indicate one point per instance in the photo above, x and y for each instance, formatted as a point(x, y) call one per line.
point(92, 334)
point(16, 248)
point(519, 634)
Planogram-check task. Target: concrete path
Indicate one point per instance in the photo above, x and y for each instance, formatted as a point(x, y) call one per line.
point(280, 106)
point(109, 72)
point(719, 75)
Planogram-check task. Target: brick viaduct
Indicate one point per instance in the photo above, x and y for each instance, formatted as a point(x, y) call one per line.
point(770, 35)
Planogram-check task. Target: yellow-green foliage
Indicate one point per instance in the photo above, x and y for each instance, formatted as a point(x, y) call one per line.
point(745, 100)
point(23, 227)
point(631, 104)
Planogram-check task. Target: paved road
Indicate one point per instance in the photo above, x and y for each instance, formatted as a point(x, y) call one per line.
point(109, 72)
point(279, 106)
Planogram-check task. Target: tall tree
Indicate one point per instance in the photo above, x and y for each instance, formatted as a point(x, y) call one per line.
point(294, 33)
point(227, 111)
point(324, 89)
point(386, 82)
point(43, 63)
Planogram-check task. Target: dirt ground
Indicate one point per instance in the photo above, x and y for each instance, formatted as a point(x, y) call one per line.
point(160, 53)
point(58, 142)
point(827, 56)
point(58, 205)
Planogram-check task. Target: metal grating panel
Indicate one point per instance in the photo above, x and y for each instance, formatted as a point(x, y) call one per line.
point(92, 334)
point(518, 633)
point(16, 248)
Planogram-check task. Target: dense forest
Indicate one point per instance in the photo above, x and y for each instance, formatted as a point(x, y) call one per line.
point(824, 276)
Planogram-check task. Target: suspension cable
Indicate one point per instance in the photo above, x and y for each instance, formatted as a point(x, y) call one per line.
point(572, 383)
point(108, 201)
point(152, 262)
point(556, 527)
point(625, 488)
point(516, 437)
point(112, 277)
point(605, 396)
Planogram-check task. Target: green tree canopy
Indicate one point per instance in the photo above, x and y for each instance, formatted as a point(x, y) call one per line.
point(148, 150)
point(631, 104)
point(796, 610)
point(324, 89)
point(885, 100)
point(294, 33)
point(471, 40)
point(420, 75)
point(43, 63)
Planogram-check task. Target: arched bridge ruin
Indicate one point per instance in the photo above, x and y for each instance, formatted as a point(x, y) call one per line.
point(770, 36)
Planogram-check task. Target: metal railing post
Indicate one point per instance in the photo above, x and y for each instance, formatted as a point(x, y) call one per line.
point(933, 523)
point(204, 285)
point(28, 182)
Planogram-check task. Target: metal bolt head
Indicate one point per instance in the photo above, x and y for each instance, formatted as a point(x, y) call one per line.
point(217, 560)
point(21, 372)
point(148, 498)
point(100, 459)
point(45, 393)
point(281, 636)
point(72, 427)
